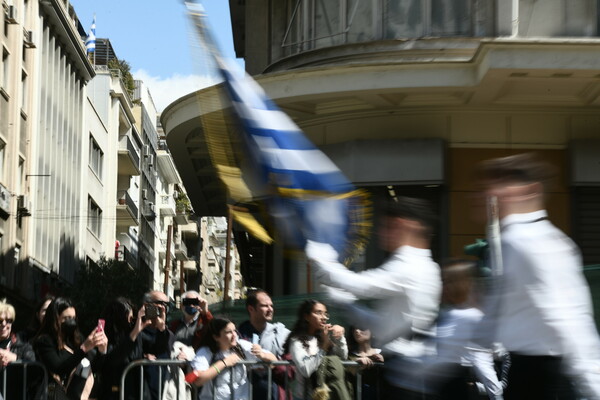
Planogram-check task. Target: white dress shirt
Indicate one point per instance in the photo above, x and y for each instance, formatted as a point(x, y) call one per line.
point(407, 287)
point(454, 333)
point(545, 304)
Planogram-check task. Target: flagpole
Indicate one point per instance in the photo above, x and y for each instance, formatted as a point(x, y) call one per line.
point(94, 55)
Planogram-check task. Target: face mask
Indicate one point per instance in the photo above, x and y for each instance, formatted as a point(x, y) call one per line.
point(190, 310)
point(69, 326)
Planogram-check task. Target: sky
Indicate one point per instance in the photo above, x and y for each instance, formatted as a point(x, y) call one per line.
point(157, 40)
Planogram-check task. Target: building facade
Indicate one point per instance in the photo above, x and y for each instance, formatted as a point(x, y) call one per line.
point(406, 97)
point(44, 75)
point(83, 175)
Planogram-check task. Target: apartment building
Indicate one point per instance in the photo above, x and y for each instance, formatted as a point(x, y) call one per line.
point(83, 175)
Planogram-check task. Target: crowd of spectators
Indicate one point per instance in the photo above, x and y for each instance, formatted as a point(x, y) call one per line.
point(435, 330)
point(91, 365)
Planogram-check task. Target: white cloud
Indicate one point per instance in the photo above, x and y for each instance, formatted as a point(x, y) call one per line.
point(166, 90)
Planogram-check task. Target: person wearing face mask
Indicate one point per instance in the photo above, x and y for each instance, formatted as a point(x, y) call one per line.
point(66, 355)
point(123, 327)
point(190, 328)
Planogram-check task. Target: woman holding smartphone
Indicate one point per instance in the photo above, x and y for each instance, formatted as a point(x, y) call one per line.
point(125, 344)
point(66, 355)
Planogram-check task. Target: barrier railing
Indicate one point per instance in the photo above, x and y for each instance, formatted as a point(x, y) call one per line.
point(24, 366)
point(153, 363)
point(288, 364)
point(267, 365)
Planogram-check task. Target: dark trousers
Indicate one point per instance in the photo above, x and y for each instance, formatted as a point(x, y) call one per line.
point(538, 377)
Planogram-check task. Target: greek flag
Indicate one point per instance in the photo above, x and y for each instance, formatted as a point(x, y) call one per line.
point(90, 42)
point(311, 199)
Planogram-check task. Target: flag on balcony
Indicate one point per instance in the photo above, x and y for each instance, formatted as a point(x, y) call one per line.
point(309, 198)
point(90, 42)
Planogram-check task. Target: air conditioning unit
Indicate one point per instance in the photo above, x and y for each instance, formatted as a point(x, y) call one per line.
point(28, 39)
point(11, 15)
point(144, 194)
point(150, 161)
point(149, 211)
point(146, 150)
point(23, 206)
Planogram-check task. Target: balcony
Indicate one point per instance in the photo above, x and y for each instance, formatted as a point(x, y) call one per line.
point(166, 165)
point(189, 230)
point(126, 255)
point(129, 158)
point(127, 211)
point(182, 218)
point(162, 251)
point(190, 265)
point(167, 205)
point(181, 252)
point(4, 200)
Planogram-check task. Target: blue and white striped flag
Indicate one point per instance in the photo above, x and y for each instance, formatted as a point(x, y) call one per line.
point(90, 42)
point(311, 199)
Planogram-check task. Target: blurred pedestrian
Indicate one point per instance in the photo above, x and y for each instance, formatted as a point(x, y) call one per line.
point(406, 288)
point(460, 368)
point(545, 319)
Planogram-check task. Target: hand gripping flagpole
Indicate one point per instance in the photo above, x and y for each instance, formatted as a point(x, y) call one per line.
point(485, 334)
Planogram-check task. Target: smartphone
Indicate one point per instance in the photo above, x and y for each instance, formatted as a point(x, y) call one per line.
point(151, 311)
point(255, 338)
point(101, 324)
point(190, 302)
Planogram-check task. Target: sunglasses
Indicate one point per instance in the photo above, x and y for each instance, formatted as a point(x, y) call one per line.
point(7, 321)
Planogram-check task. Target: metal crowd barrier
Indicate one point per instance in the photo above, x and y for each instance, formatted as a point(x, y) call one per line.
point(287, 364)
point(24, 366)
point(158, 363)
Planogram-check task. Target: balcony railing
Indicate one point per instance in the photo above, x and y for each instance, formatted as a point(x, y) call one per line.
point(181, 252)
point(127, 211)
point(129, 158)
point(124, 254)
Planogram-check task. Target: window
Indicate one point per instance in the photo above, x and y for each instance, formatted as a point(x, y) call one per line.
point(317, 24)
point(5, 70)
point(24, 94)
point(96, 157)
point(94, 217)
point(20, 176)
point(2, 149)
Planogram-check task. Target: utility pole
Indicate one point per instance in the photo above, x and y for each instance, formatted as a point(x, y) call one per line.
point(168, 259)
point(227, 254)
point(181, 277)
